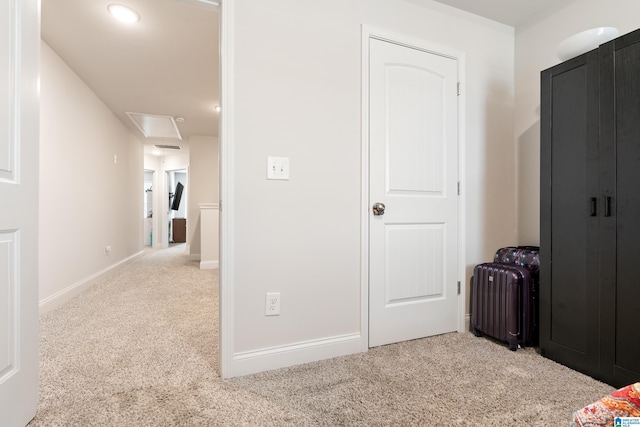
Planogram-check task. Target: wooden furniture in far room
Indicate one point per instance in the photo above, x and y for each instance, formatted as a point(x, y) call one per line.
point(179, 230)
point(590, 212)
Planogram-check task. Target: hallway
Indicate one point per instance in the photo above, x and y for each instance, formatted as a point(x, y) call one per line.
point(142, 334)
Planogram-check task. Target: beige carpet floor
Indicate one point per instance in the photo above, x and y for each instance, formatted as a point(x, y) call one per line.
point(139, 348)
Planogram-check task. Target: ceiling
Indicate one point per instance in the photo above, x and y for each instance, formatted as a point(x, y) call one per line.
point(514, 13)
point(166, 64)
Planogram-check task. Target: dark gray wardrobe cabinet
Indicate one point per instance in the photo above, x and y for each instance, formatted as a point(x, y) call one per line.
point(590, 212)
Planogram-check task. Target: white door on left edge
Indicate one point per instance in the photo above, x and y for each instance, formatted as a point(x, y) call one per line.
point(413, 169)
point(19, 123)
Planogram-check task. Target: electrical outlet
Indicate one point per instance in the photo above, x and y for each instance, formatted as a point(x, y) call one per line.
point(107, 249)
point(272, 304)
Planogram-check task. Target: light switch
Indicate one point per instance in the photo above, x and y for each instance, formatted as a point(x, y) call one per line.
point(277, 168)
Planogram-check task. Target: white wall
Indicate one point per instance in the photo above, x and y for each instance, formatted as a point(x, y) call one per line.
point(87, 201)
point(535, 51)
point(298, 94)
point(203, 183)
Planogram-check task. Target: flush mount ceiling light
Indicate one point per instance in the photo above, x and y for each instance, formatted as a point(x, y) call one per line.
point(123, 13)
point(585, 41)
point(155, 126)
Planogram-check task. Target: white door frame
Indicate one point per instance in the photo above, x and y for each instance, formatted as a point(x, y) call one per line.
point(153, 208)
point(368, 33)
point(226, 296)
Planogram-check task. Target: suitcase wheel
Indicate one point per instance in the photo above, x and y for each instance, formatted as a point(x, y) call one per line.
point(477, 332)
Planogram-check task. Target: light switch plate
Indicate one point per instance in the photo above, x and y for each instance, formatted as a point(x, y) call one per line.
point(278, 168)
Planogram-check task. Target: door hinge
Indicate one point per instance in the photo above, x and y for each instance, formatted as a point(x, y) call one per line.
point(459, 88)
point(458, 287)
point(458, 188)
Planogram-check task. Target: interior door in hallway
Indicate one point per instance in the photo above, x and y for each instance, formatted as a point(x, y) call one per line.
point(19, 118)
point(413, 170)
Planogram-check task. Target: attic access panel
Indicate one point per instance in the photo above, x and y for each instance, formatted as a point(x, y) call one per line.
point(155, 126)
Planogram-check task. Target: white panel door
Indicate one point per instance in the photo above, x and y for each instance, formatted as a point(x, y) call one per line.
point(19, 123)
point(413, 170)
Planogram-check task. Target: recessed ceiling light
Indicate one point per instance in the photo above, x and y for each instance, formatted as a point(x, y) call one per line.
point(123, 13)
point(217, 108)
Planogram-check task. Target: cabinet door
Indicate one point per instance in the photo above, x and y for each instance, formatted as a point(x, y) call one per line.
point(570, 214)
point(620, 92)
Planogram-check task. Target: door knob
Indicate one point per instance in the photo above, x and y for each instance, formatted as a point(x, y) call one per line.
point(378, 209)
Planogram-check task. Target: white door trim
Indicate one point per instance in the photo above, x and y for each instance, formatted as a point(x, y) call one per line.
point(227, 202)
point(369, 32)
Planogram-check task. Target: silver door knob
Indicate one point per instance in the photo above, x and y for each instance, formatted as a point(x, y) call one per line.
point(378, 208)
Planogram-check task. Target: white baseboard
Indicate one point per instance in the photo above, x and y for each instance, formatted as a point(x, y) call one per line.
point(56, 300)
point(205, 265)
point(208, 265)
point(251, 362)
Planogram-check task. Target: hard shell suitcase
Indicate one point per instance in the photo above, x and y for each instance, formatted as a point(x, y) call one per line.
point(524, 256)
point(504, 303)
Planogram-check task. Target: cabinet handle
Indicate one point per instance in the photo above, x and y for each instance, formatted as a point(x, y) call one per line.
point(607, 206)
point(593, 206)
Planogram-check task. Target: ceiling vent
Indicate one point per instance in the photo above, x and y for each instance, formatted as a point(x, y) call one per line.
point(168, 147)
point(155, 126)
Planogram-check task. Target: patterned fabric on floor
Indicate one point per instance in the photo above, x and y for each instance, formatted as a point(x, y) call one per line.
point(620, 403)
